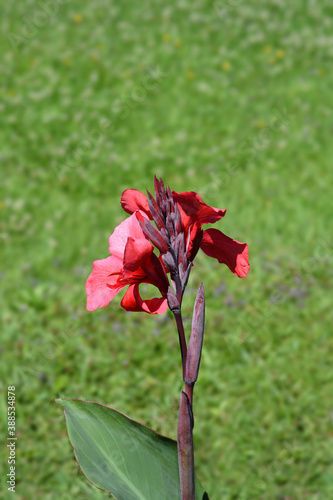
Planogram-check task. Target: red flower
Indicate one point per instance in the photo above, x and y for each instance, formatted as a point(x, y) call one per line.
point(178, 235)
point(194, 213)
point(132, 262)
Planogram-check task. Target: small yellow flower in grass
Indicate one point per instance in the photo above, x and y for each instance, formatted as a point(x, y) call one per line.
point(67, 61)
point(272, 60)
point(11, 92)
point(321, 72)
point(166, 38)
point(226, 65)
point(100, 46)
point(190, 74)
point(178, 43)
point(1, 205)
point(261, 123)
point(78, 18)
point(267, 49)
point(279, 54)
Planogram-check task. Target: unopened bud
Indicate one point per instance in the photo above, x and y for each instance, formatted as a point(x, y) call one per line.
point(172, 300)
point(159, 191)
point(196, 338)
point(185, 274)
point(155, 236)
point(169, 225)
point(181, 250)
point(155, 211)
point(169, 262)
point(177, 220)
point(170, 197)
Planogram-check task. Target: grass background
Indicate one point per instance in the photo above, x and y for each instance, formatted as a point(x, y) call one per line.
point(240, 110)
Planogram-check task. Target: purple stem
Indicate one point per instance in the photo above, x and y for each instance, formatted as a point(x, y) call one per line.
point(185, 424)
point(185, 448)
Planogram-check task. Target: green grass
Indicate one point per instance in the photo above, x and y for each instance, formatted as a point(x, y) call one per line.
point(241, 112)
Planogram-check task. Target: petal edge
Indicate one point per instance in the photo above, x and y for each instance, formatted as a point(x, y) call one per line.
point(227, 251)
point(132, 200)
point(132, 301)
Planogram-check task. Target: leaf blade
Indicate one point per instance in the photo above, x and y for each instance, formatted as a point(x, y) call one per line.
point(121, 456)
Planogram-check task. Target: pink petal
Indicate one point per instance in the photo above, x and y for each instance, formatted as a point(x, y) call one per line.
point(132, 200)
point(118, 239)
point(98, 292)
point(133, 302)
point(227, 251)
point(136, 253)
point(193, 210)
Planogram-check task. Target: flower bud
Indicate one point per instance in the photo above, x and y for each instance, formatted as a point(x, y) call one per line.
point(155, 236)
point(155, 212)
point(185, 274)
point(196, 338)
point(169, 262)
point(172, 300)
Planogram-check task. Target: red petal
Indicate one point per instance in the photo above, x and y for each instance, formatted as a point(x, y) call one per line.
point(98, 293)
point(194, 210)
point(195, 241)
point(227, 251)
point(118, 239)
point(132, 200)
point(133, 302)
point(136, 253)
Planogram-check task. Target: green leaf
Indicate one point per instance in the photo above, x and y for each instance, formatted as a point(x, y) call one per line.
point(121, 456)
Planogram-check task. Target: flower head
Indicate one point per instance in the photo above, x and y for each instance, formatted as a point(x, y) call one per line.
point(189, 212)
point(177, 235)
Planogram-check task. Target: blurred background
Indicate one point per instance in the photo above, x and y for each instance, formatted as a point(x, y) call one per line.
point(230, 99)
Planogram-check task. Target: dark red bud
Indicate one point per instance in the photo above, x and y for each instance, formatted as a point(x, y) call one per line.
point(185, 274)
point(155, 211)
point(181, 250)
point(176, 244)
point(159, 190)
point(170, 197)
point(155, 236)
point(172, 300)
point(169, 226)
point(169, 262)
point(177, 220)
point(164, 234)
point(196, 338)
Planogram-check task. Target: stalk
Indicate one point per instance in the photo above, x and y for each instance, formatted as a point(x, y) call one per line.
point(185, 424)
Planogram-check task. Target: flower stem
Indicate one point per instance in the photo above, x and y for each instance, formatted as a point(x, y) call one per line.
point(185, 449)
point(185, 424)
point(189, 393)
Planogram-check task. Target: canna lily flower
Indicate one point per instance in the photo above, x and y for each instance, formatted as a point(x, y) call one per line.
point(132, 262)
point(178, 235)
point(194, 213)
